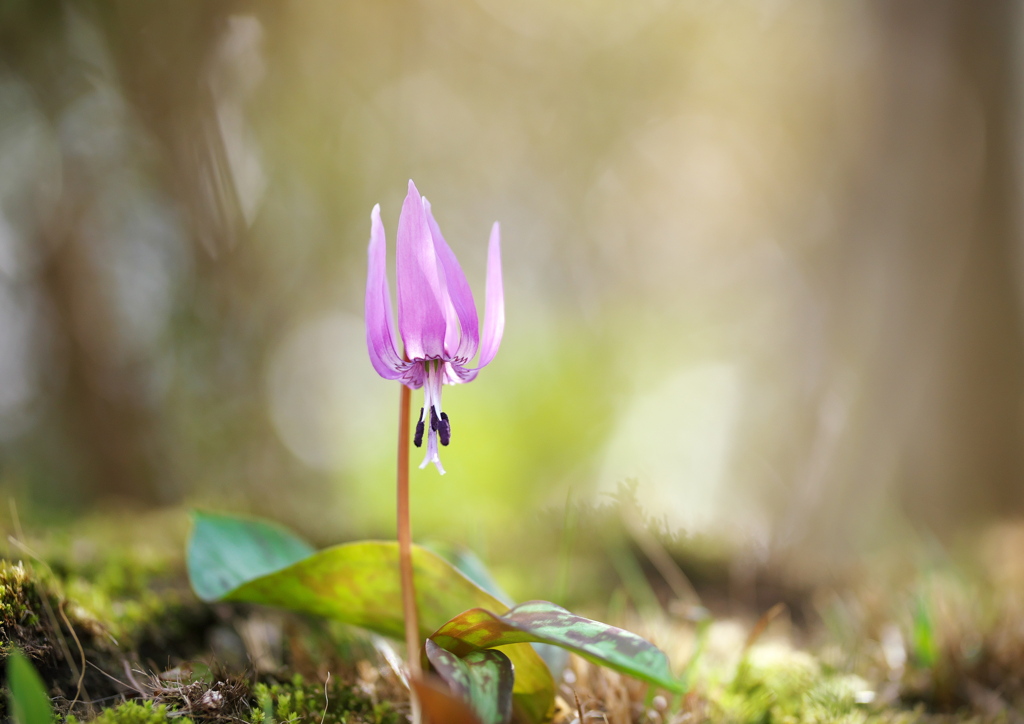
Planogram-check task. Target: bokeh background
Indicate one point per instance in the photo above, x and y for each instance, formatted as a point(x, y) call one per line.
point(762, 261)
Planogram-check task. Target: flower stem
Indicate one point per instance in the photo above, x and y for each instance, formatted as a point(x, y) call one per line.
point(412, 638)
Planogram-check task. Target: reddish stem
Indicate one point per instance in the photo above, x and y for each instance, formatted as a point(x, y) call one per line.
point(412, 637)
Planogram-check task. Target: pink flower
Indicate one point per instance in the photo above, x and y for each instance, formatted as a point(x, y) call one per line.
point(437, 316)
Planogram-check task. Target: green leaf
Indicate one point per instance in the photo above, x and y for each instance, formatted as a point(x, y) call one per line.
point(547, 623)
point(923, 640)
point(226, 551)
point(470, 565)
point(356, 583)
point(483, 678)
point(29, 702)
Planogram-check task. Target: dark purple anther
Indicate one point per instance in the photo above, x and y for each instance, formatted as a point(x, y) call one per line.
point(418, 438)
point(444, 429)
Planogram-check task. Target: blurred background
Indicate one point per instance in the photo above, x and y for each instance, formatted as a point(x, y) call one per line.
point(762, 262)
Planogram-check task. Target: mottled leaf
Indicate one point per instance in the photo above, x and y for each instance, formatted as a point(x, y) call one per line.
point(449, 667)
point(474, 569)
point(225, 552)
point(439, 706)
point(29, 701)
point(358, 584)
point(483, 678)
point(547, 623)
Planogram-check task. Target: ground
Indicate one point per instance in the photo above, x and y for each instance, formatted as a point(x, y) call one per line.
point(119, 638)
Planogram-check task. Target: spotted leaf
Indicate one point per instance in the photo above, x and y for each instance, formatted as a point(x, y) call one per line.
point(544, 622)
point(483, 678)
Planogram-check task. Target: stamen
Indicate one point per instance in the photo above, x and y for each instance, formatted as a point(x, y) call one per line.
point(444, 429)
point(418, 438)
point(433, 418)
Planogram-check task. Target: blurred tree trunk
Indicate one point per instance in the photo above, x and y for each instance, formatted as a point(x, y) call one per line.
point(984, 375)
point(923, 345)
point(114, 440)
point(110, 431)
point(108, 438)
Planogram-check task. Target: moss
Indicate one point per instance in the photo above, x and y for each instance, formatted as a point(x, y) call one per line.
point(776, 684)
point(132, 712)
point(149, 621)
point(53, 632)
point(238, 700)
point(20, 606)
point(131, 576)
point(298, 700)
point(58, 618)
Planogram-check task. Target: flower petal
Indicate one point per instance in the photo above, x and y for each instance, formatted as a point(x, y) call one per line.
point(463, 344)
point(494, 315)
point(423, 301)
point(380, 324)
point(494, 307)
point(414, 376)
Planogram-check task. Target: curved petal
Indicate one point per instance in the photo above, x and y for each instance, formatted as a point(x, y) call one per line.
point(414, 376)
point(461, 341)
point(380, 324)
point(494, 307)
point(494, 315)
point(456, 374)
point(423, 301)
